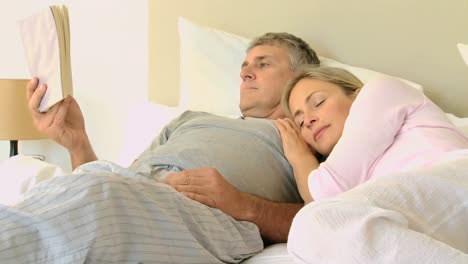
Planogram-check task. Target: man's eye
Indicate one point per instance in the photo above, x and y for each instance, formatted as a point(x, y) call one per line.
point(301, 124)
point(263, 65)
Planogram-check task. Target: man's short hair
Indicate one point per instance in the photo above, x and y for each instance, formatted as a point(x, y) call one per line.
point(299, 51)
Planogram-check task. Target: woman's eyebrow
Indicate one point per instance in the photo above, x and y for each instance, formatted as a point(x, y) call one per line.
point(305, 101)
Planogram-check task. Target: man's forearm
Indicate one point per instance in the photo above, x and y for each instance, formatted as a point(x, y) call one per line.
point(273, 219)
point(82, 153)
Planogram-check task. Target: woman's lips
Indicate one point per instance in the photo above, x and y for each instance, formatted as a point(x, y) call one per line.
point(319, 132)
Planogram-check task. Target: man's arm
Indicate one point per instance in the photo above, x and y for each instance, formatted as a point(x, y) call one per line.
point(63, 123)
point(208, 186)
point(272, 219)
point(82, 152)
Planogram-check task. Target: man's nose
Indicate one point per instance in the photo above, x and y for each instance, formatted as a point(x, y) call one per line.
point(247, 73)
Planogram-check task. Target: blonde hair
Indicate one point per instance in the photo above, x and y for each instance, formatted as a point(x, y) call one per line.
point(300, 53)
point(341, 77)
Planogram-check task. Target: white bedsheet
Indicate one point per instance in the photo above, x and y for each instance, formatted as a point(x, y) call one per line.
point(416, 216)
point(20, 173)
point(273, 254)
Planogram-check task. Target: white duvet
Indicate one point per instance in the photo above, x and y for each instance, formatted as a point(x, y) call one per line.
point(441, 193)
point(418, 216)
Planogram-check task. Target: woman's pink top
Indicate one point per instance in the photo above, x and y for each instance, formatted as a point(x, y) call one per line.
point(391, 127)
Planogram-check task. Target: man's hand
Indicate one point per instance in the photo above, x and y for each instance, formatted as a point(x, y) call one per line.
point(207, 186)
point(63, 123)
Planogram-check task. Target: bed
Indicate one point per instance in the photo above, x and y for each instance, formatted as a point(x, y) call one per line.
point(198, 37)
point(29, 171)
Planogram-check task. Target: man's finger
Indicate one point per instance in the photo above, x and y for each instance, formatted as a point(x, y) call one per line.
point(188, 177)
point(201, 199)
point(36, 97)
point(62, 111)
point(31, 87)
point(193, 189)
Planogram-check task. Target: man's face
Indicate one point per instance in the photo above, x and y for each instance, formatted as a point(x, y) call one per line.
point(264, 73)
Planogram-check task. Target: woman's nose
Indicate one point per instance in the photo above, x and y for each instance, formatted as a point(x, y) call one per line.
point(309, 118)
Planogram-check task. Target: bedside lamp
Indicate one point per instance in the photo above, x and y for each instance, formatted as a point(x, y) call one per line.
point(15, 120)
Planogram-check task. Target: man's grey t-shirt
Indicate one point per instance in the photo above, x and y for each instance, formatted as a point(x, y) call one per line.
point(247, 152)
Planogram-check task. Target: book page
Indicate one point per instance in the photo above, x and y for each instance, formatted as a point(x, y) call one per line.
point(47, 55)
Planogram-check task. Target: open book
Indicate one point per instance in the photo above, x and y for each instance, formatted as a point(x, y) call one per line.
point(46, 41)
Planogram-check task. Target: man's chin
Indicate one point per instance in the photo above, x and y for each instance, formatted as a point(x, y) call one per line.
point(249, 111)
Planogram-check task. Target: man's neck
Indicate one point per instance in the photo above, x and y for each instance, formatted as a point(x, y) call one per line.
point(276, 113)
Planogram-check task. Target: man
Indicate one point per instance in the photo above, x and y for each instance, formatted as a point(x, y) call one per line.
point(224, 176)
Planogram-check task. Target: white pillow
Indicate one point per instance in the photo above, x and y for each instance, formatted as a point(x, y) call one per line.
point(20, 173)
point(210, 62)
point(142, 125)
point(460, 122)
point(363, 74)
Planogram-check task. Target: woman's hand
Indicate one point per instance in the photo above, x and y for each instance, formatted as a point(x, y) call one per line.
point(301, 156)
point(294, 145)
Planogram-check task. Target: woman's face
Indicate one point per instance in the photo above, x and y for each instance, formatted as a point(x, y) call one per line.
point(320, 109)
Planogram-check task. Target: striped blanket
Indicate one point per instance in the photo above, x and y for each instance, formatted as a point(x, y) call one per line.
point(103, 213)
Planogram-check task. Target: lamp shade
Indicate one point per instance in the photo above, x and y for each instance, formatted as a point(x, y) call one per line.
point(15, 120)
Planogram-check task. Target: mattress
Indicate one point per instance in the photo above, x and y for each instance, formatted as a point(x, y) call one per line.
point(273, 254)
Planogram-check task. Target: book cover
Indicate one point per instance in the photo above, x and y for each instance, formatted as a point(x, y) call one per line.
point(46, 41)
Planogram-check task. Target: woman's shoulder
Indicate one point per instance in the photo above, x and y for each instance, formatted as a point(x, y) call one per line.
point(390, 91)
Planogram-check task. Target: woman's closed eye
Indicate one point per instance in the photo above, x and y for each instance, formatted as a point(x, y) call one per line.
point(321, 102)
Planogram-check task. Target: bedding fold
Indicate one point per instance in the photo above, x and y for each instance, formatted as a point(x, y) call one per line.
point(419, 215)
point(106, 213)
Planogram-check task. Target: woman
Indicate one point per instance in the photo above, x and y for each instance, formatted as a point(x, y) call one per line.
point(364, 132)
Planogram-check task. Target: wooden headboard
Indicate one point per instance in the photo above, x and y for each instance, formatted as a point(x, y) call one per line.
point(415, 40)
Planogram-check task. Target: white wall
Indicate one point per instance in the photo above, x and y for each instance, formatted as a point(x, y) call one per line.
point(415, 40)
point(109, 66)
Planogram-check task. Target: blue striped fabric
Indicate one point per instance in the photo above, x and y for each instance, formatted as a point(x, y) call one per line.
point(107, 214)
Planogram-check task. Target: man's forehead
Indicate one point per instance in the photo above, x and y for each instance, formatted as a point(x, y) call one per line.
point(270, 50)
point(257, 58)
point(262, 52)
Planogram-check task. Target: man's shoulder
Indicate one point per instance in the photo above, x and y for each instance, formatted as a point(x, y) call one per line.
point(195, 114)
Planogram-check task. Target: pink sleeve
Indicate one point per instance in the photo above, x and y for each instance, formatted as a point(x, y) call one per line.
point(376, 116)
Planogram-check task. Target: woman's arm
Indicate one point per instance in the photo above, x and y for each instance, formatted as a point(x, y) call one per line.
point(299, 154)
point(375, 118)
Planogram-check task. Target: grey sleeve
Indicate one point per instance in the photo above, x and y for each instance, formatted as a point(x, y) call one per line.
point(168, 129)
